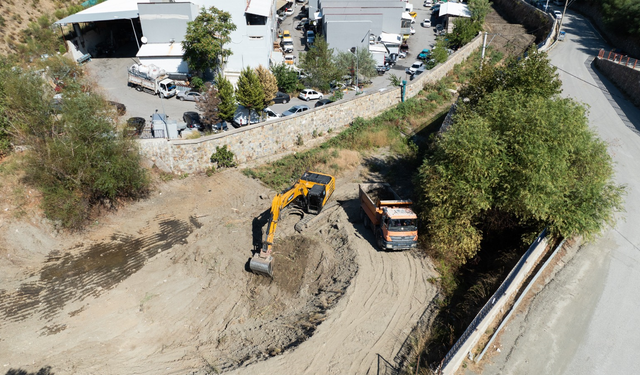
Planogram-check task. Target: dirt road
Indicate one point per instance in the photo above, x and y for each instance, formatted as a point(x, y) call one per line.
point(161, 287)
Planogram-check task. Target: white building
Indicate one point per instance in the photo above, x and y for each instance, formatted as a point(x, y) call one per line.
point(153, 31)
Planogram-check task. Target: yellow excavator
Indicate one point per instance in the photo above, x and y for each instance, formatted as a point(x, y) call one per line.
point(312, 191)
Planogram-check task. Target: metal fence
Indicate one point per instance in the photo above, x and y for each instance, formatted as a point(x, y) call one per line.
point(492, 301)
point(619, 58)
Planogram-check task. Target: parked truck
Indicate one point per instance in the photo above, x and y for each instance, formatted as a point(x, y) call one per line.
point(152, 80)
point(393, 222)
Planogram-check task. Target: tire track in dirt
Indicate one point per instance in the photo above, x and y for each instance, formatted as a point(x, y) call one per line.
point(384, 301)
point(89, 272)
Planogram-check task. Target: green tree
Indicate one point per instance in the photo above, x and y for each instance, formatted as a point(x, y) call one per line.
point(516, 157)
point(249, 92)
point(465, 29)
point(440, 52)
point(205, 39)
point(479, 9)
point(76, 157)
point(360, 61)
point(286, 77)
point(227, 107)
point(621, 15)
point(318, 64)
point(527, 76)
point(268, 83)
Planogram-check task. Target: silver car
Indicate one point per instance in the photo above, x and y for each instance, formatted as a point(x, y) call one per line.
point(191, 96)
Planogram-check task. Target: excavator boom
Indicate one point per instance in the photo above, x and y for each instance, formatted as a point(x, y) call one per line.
point(314, 189)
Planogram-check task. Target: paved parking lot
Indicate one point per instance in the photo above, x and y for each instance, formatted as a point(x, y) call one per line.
point(111, 73)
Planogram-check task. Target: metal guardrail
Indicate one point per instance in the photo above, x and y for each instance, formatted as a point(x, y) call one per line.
point(486, 309)
point(619, 59)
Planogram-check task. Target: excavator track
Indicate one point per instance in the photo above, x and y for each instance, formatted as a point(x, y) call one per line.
point(308, 218)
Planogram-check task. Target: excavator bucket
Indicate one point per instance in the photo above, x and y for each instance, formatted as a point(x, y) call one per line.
point(261, 265)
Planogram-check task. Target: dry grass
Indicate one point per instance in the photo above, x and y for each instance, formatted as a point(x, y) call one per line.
point(339, 161)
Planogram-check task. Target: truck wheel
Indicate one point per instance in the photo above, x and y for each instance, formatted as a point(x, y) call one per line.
point(366, 221)
point(378, 235)
point(138, 88)
point(181, 99)
point(361, 214)
point(160, 95)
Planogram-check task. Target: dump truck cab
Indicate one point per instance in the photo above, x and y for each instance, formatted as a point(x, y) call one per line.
point(399, 229)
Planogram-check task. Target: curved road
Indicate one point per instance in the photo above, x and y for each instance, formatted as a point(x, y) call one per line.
point(584, 321)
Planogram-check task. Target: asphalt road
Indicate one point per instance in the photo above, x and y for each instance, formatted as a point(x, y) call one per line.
point(584, 321)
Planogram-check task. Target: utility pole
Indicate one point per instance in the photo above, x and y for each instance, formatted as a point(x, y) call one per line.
point(566, 3)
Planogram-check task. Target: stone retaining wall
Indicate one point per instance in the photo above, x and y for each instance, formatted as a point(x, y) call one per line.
point(280, 136)
point(626, 78)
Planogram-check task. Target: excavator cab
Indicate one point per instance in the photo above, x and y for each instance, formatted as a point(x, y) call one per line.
point(313, 190)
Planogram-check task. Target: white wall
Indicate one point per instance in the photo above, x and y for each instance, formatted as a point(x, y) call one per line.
point(247, 46)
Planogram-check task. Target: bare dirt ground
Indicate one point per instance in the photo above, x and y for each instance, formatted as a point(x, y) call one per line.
point(161, 287)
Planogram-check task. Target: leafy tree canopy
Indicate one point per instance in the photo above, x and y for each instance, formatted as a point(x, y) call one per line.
point(205, 39)
point(268, 83)
point(530, 76)
point(286, 77)
point(440, 53)
point(361, 62)
point(318, 64)
point(464, 31)
point(208, 105)
point(479, 9)
point(516, 156)
point(227, 107)
point(622, 15)
point(76, 157)
point(249, 92)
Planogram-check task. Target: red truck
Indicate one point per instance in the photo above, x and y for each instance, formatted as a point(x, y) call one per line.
point(391, 218)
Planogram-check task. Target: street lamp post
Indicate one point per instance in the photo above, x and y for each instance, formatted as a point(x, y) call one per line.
point(354, 50)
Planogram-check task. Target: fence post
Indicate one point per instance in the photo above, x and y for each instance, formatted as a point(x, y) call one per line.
point(609, 56)
point(627, 63)
point(634, 64)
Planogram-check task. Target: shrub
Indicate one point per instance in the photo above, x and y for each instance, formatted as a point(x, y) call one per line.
point(197, 84)
point(223, 157)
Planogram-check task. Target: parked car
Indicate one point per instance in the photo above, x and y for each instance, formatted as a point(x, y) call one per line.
point(302, 25)
point(308, 94)
point(402, 54)
point(286, 34)
point(426, 23)
point(418, 71)
point(193, 120)
point(416, 65)
point(413, 31)
point(288, 12)
point(191, 96)
point(425, 54)
point(270, 114)
point(220, 127)
point(311, 37)
point(557, 14)
point(281, 97)
point(428, 3)
point(322, 102)
point(289, 59)
point(295, 109)
point(439, 27)
point(120, 108)
point(135, 126)
point(562, 35)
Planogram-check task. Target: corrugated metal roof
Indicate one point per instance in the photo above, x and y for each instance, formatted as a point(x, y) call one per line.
point(106, 11)
point(259, 7)
point(161, 50)
point(454, 9)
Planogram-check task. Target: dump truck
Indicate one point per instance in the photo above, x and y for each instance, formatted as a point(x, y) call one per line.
point(393, 222)
point(151, 79)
